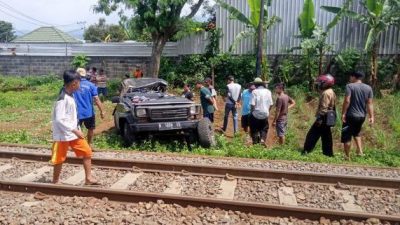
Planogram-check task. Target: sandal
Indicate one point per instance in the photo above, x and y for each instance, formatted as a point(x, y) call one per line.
point(95, 183)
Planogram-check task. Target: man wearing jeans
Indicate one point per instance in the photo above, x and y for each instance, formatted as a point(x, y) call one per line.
point(261, 103)
point(232, 100)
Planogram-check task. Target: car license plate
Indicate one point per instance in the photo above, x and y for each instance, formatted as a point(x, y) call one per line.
point(169, 126)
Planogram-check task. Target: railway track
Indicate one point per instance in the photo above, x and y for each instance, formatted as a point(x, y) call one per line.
point(260, 192)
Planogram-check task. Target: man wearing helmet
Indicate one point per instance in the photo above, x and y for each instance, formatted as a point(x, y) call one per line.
point(320, 129)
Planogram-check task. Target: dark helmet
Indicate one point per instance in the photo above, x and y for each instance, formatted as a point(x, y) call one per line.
point(325, 81)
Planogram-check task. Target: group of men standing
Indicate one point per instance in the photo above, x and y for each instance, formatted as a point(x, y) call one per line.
point(256, 103)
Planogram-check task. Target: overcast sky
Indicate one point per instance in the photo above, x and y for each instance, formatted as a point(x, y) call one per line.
point(26, 15)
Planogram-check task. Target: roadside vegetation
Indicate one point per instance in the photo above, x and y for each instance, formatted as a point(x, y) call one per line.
point(25, 116)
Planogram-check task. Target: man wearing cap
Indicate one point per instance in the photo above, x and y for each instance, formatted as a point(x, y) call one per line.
point(261, 103)
point(232, 100)
point(357, 104)
point(84, 97)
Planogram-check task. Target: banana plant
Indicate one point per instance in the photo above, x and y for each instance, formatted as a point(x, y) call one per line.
point(379, 16)
point(250, 22)
point(313, 44)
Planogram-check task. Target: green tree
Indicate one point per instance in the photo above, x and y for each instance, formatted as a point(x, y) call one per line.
point(6, 31)
point(102, 32)
point(252, 24)
point(379, 16)
point(161, 18)
point(313, 38)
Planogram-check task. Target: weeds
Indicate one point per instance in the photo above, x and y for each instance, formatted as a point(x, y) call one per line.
point(25, 118)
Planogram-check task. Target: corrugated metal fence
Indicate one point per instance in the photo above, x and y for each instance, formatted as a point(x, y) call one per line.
point(194, 44)
point(280, 38)
point(347, 33)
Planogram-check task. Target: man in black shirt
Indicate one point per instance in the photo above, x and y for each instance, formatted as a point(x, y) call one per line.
point(187, 93)
point(357, 104)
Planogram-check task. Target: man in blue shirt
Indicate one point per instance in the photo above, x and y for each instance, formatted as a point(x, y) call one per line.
point(246, 107)
point(84, 98)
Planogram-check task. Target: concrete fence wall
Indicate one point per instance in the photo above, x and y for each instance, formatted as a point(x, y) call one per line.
point(114, 66)
point(116, 58)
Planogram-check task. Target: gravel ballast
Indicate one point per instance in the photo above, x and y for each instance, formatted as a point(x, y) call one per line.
point(306, 194)
point(257, 191)
point(21, 209)
point(235, 162)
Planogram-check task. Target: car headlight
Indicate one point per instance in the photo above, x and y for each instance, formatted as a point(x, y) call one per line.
point(194, 110)
point(141, 112)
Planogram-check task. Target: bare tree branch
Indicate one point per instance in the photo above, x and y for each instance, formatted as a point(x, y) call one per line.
point(195, 8)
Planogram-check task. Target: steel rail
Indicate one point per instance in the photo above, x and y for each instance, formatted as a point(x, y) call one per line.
point(171, 154)
point(378, 182)
point(262, 209)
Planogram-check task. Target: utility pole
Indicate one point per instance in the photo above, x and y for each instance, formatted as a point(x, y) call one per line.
point(260, 35)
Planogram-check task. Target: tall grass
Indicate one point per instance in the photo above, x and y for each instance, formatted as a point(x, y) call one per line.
point(26, 105)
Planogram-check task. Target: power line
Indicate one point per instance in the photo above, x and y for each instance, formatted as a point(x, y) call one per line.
point(5, 5)
point(21, 19)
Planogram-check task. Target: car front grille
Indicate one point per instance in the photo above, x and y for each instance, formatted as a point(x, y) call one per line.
point(169, 114)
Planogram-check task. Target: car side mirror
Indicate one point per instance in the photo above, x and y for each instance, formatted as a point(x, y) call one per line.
point(115, 99)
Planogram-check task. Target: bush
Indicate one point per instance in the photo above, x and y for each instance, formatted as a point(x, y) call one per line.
point(190, 69)
point(80, 61)
point(387, 68)
point(345, 63)
point(241, 67)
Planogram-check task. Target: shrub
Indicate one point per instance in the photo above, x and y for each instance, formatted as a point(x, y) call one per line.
point(80, 61)
point(190, 69)
point(346, 62)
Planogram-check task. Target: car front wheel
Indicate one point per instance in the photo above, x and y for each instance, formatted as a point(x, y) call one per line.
point(127, 135)
point(205, 131)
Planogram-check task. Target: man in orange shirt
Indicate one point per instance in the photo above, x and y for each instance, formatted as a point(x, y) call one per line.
point(137, 73)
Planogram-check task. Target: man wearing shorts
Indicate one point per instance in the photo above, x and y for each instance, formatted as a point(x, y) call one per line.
point(66, 133)
point(356, 105)
point(283, 104)
point(84, 97)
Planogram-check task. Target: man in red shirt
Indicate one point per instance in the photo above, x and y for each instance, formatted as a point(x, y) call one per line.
point(137, 73)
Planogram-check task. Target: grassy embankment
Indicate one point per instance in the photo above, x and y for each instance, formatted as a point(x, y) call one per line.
point(26, 104)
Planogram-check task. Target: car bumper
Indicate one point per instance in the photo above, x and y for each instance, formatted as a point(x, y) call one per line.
point(164, 126)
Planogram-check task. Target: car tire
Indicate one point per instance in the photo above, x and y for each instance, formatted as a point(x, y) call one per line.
point(127, 135)
point(205, 132)
point(117, 130)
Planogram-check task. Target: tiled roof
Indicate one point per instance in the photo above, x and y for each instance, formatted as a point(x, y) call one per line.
point(46, 35)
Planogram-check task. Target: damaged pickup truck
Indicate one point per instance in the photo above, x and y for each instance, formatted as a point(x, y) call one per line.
point(144, 109)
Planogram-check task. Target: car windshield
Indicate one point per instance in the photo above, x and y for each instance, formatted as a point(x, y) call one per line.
point(145, 85)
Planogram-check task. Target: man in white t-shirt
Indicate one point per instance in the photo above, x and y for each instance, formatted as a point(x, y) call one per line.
point(232, 100)
point(261, 103)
